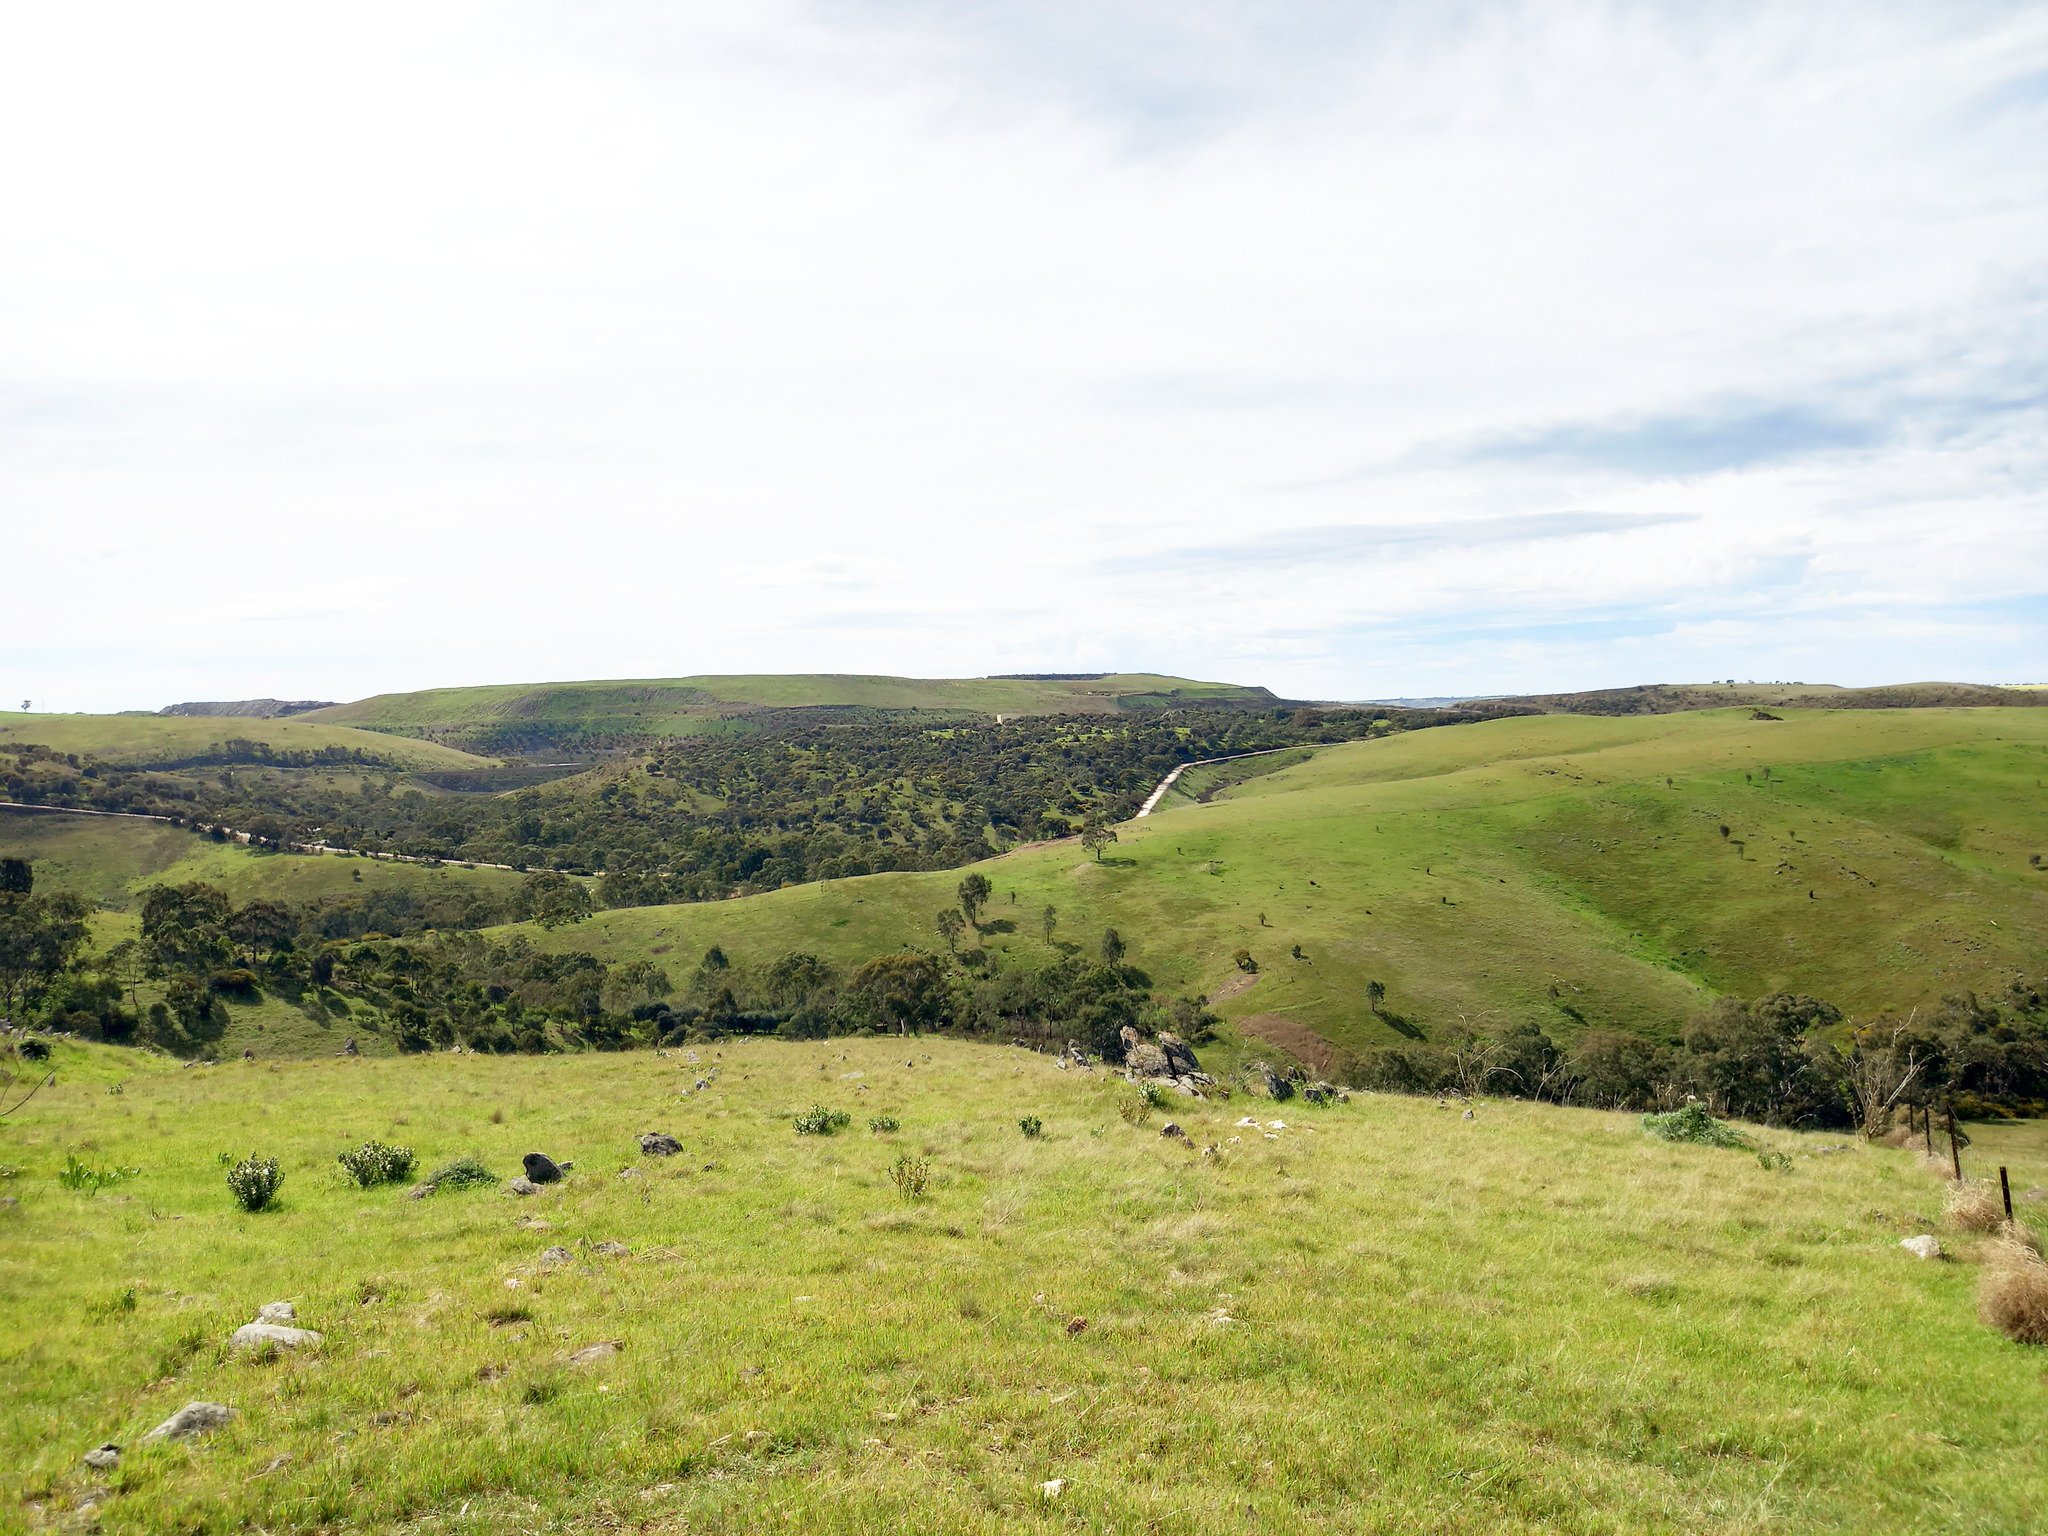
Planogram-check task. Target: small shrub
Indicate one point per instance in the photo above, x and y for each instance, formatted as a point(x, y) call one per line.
point(1153, 1095)
point(1972, 1207)
point(90, 1180)
point(911, 1175)
point(820, 1121)
point(33, 1049)
point(374, 1163)
point(1032, 1127)
point(1776, 1162)
point(882, 1125)
point(254, 1181)
point(1133, 1106)
point(1692, 1123)
point(2012, 1296)
point(466, 1172)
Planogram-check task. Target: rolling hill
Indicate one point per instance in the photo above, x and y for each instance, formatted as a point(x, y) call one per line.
point(152, 740)
point(533, 714)
point(1567, 869)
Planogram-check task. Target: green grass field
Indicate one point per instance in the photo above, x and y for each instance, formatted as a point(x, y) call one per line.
point(678, 706)
point(1385, 1318)
point(141, 739)
point(1518, 868)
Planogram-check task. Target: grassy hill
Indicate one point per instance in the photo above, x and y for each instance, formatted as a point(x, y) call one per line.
point(1378, 1317)
point(1665, 698)
point(684, 705)
point(1565, 869)
point(111, 859)
point(141, 740)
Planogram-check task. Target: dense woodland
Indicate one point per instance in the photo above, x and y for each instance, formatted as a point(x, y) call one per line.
point(778, 800)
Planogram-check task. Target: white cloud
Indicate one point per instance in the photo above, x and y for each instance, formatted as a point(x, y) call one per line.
point(521, 341)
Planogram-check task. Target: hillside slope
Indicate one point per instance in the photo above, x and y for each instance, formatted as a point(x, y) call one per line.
point(144, 740)
point(682, 705)
point(1373, 1317)
point(1569, 870)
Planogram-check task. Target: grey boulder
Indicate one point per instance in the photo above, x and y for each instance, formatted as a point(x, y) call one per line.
point(192, 1419)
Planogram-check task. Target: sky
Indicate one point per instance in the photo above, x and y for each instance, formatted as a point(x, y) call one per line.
point(1353, 350)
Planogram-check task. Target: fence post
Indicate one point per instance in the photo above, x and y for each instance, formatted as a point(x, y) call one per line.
point(1927, 1126)
point(1955, 1153)
point(2005, 1189)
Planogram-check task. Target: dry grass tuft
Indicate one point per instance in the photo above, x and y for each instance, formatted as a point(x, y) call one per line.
point(1972, 1207)
point(2012, 1296)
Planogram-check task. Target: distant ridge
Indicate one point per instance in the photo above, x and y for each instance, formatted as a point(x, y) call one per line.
point(1669, 698)
point(600, 713)
point(250, 709)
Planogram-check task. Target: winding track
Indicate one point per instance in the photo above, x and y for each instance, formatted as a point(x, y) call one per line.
point(1152, 800)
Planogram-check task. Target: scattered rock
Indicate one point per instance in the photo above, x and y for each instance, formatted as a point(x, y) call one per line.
point(1075, 1326)
point(1173, 1131)
point(520, 1184)
point(534, 1224)
point(1052, 1487)
point(612, 1250)
point(192, 1419)
point(659, 1144)
point(631, 1173)
point(421, 1190)
point(277, 1312)
point(104, 1458)
point(1468, 1114)
point(541, 1169)
point(276, 1335)
point(1925, 1246)
point(557, 1255)
point(348, 1047)
point(591, 1354)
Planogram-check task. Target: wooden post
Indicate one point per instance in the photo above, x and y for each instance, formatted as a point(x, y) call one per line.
point(2005, 1189)
point(1955, 1153)
point(1927, 1126)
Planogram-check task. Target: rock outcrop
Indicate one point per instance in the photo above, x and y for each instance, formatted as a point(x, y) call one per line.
point(1168, 1060)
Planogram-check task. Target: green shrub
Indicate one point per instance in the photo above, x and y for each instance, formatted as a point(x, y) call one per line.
point(1776, 1162)
point(1032, 1127)
point(882, 1125)
point(33, 1049)
point(254, 1181)
point(1134, 1106)
point(1694, 1124)
point(466, 1172)
point(912, 1176)
point(374, 1163)
point(820, 1121)
point(1153, 1095)
point(90, 1180)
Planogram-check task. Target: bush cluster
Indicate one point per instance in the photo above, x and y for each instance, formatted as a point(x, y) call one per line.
point(374, 1163)
point(254, 1181)
point(466, 1172)
point(820, 1121)
point(1692, 1123)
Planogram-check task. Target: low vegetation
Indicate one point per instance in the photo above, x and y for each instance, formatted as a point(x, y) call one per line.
point(1540, 1317)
